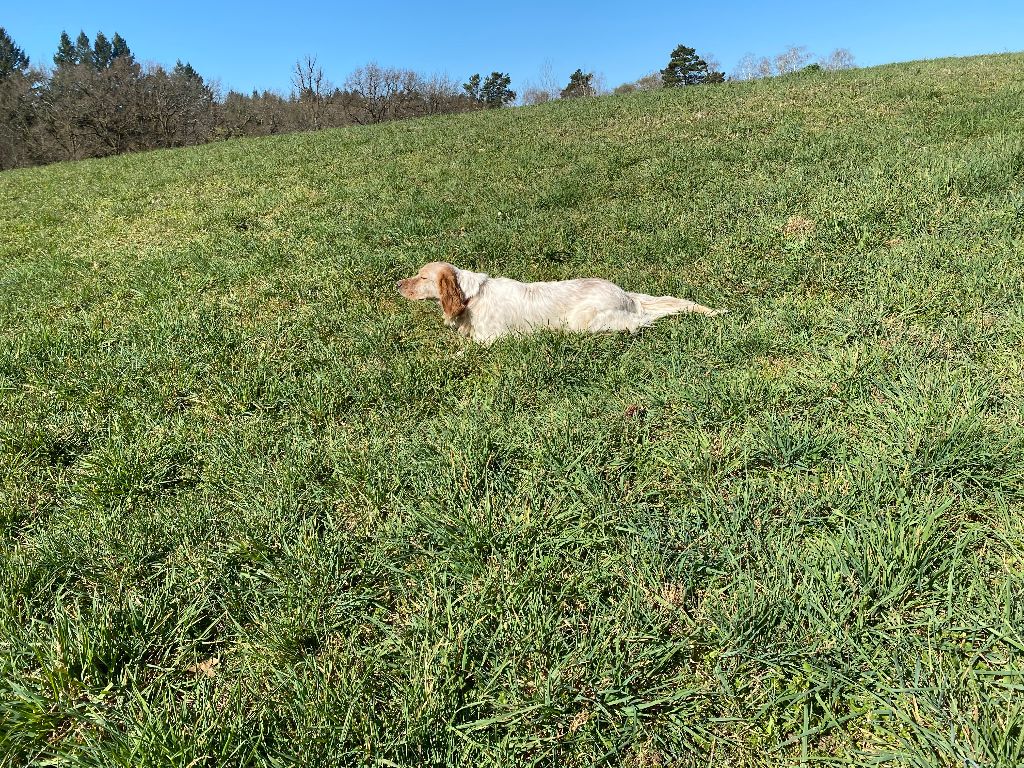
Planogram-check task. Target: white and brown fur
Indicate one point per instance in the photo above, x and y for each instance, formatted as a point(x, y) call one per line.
point(486, 308)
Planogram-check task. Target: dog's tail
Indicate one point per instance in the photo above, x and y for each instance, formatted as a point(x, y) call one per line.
point(654, 307)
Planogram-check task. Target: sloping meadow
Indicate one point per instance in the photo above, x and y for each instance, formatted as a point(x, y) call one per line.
point(258, 510)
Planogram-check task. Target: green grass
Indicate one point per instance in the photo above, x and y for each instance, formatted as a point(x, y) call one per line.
point(791, 535)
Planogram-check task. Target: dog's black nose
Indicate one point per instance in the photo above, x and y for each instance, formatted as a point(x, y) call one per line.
point(398, 283)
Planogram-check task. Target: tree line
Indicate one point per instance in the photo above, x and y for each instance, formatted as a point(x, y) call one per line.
point(97, 99)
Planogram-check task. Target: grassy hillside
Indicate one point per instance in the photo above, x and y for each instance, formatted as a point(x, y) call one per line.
point(258, 510)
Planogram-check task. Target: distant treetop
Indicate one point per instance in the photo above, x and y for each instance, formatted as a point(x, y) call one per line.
point(493, 92)
point(99, 54)
point(580, 85)
point(12, 58)
point(685, 67)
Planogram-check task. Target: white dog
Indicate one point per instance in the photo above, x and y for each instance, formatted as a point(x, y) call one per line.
point(486, 308)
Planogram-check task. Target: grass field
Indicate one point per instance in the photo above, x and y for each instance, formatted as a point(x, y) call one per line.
point(259, 510)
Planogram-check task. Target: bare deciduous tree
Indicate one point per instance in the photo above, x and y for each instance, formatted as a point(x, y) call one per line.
point(91, 112)
point(840, 58)
point(543, 88)
point(792, 59)
point(746, 68)
point(439, 94)
point(381, 92)
point(546, 80)
point(533, 95)
point(258, 114)
point(18, 119)
point(649, 82)
point(311, 88)
point(751, 67)
point(176, 108)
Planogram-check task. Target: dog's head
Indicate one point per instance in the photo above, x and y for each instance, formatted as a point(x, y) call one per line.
point(439, 281)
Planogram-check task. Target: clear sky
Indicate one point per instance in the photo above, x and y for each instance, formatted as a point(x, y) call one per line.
point(254, 45)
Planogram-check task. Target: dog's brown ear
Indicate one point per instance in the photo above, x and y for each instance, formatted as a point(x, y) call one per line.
point(453, 303)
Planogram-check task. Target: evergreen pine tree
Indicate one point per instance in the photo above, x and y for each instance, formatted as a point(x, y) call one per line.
point(83, 49)
point(118, 47)
point(102, 52)
point(65, 55)
point(472, 88)
point(12, 58)
point(579, 85)
point(494, 92)
point(186, 72)
point(685, 67)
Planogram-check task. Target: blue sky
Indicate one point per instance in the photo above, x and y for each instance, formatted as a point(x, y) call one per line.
point(254, 45)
